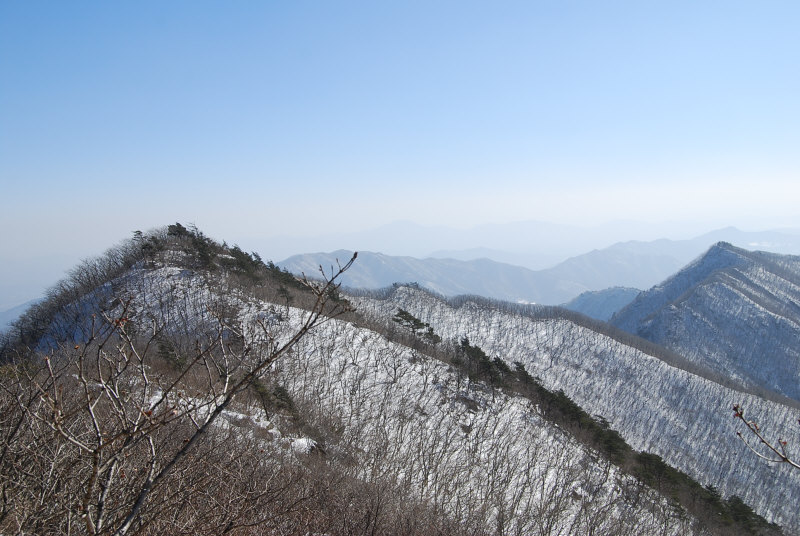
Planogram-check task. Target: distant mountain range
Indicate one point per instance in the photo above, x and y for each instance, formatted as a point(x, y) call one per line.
point(9, 316)
point(733, 311)
point(535, 245)
point(450, 277)
point(632, 264)
point(602, 304)
point(532, 244)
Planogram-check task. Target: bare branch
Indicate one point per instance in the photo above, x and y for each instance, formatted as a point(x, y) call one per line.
point(778, 449)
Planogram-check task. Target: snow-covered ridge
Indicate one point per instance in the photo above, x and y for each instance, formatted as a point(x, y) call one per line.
point(480, 456)
point(389, 413)
point(656, 407)
point(733, 311)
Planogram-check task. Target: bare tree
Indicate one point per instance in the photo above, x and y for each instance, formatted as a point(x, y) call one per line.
point(98, 431)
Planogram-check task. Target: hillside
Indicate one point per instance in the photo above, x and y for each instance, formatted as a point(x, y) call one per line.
point(731, 310)
point(481, 277)
point(682, 417)
point(180, 385)
point(626, 264)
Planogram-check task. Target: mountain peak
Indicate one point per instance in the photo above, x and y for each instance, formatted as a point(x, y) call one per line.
point(731, 310)
point(720, 256)
point(723, 245)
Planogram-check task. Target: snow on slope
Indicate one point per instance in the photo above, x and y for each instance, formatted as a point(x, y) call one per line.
point(733, 311)
point(685, 419)
point(394, 413)
point(644, 264)
point(463, 448)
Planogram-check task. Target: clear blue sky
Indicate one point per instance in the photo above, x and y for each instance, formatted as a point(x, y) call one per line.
point(254, 119)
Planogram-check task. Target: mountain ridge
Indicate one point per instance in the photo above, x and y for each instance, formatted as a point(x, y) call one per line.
point(655, 405)
point(431, 413)
point(339, 412)
point(734, 310)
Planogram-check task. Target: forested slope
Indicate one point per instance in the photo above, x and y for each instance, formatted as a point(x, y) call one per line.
point(178, 385)
point(684, 418)
point(733, 311)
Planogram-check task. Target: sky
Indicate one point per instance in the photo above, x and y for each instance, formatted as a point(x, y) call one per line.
point(263, 119)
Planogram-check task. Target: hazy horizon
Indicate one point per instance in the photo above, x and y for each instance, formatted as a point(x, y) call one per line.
point(263, 122)
point(399, 238)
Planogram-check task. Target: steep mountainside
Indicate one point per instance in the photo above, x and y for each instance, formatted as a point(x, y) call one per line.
point(731, 310)
point(178, 385)
point(682, 417)
point(602, 304)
